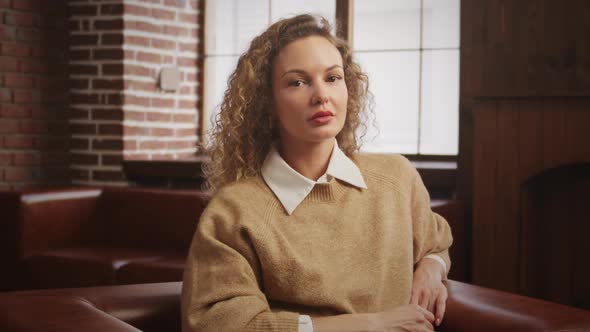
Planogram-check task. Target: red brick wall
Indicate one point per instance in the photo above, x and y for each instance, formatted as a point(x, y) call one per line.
point(117, 50)
point(33, 93)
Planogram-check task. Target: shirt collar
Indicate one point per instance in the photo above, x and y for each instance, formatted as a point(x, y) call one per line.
point(291, 187)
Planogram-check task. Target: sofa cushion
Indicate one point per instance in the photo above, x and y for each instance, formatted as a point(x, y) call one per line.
point(82, 266)
point(160, 270)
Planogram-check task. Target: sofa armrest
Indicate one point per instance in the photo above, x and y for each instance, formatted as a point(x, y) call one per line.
point(56, 218)
point(473, 308)
point(146, 307)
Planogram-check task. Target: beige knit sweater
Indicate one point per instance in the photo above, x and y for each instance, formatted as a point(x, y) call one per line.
point(252, 267)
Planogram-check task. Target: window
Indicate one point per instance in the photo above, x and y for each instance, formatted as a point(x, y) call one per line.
point(409, 49)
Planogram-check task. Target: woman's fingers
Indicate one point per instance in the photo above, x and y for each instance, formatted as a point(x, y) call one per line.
point(441, 306)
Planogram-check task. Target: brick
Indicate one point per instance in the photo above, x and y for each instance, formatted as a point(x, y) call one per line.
point(141, 86)
point(162, 103)
point(19, 142)
point(112, 84)
point(58, 128)
point(83, 40)
point(5, 95)
point(129, 55)
point(79, 174)
point(180, 144)
point(108, 54)
point(32, 66)
point(192, 104)
point(5, 159)
point(111, 159)
point(8, 127)
point(163, 14)
point(79, 144)
point(112, 39)
point(19, 174)
point(187, 18)
point(79, 55)
point(130, 145)
point(159, 117)
point(145, 27)
point(116, 24)
point(55, 158)
point(174, 3)
point(112, 9)
point(8, 64)
point(188, 47)
point(80, 98)
point(82, 128)
point(138, 101)
point(137, 70)
point(137, 40)
point(18, 81)
point(149, 57)
point(107, 114)
point(27, 96)
point(184, 118)
point(136, 10)
point(74, 25)
point(163, 44)
point(112, 69)
point(26, 5)
point(175, 31)
point(21, 19)
point(162, 132)
point(152, 145)
point(185, 131)
point(187, 62)
point(52, 143)
point(15, 111)
point(78, 113)
point(83, 69)
point(136, 131)
point(135, 116)
point(32, 127)
point(115, 99)
point(7, 33)
point(90, 10)
point(15, 49)
point(107, 144)
point(28, 35)
point(79, 84)
point(83, 159)
point(107, 175)
point(26, 159)
point(110, 129)
point(38, 51)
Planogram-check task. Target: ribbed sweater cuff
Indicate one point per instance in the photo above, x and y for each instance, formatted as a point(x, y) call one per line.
point(283, 321)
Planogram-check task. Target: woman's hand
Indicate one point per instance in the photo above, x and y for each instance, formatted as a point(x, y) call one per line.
point(428, 291)
point(407, 318)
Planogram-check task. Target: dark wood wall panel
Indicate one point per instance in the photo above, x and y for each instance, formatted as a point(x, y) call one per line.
point(514, 141)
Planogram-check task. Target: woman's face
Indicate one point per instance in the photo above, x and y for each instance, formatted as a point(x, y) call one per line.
point(309, 91)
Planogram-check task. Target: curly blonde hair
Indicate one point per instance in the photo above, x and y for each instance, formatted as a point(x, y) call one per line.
point(244, 130)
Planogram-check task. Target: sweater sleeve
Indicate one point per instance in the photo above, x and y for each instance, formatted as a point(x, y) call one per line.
point(432, 234)
point(221, 288)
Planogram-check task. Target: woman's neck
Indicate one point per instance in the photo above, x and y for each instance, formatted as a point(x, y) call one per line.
point(310, 159)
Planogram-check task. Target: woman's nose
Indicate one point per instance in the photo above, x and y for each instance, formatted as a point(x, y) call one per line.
point(320, 95)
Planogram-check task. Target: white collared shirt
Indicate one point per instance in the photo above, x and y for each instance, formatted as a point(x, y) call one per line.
point(291, 188)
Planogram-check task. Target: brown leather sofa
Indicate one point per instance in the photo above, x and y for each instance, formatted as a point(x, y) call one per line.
point(78, 237)
point(156, 307)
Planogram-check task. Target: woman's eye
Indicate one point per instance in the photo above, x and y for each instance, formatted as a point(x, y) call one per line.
point(296, 83)
point(333, 78)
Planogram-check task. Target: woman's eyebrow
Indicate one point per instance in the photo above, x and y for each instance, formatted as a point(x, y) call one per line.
point(302, 72)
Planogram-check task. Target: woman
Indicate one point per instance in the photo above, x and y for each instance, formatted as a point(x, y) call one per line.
point(304, 234)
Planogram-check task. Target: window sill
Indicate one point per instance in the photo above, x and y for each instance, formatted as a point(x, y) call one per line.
point(438, 176)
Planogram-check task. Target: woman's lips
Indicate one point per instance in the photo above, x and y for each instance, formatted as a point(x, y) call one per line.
point(321, 117)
